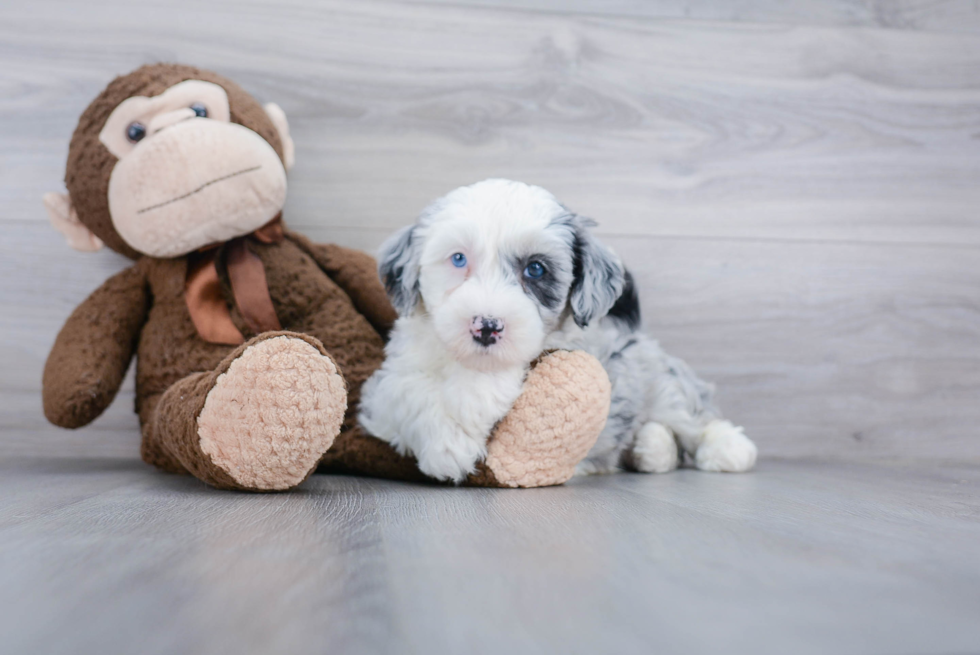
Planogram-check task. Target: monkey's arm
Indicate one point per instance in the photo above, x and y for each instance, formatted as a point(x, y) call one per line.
point(356, 273)
point(89, 358)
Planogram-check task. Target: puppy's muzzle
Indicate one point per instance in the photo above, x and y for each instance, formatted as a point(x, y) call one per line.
point(486, 331)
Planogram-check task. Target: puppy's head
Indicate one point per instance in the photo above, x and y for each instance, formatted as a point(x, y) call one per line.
point(497, 266)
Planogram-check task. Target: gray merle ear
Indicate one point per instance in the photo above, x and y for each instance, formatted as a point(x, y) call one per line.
point(598, 275)
point(399, 262)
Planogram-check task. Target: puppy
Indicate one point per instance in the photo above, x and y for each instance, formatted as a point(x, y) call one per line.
point(490, 276)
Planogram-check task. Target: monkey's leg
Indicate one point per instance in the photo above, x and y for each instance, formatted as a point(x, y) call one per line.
point(357, 453)
point(260, 421)
point(550, 429)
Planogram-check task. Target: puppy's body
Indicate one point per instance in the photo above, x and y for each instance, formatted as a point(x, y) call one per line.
point(658, 404)
point(491, 275)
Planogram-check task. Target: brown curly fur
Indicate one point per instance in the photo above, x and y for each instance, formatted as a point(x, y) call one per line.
point(325, 291)
point(90, 164)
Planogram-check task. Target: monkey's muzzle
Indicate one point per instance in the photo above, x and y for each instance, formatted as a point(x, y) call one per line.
point(197, 182)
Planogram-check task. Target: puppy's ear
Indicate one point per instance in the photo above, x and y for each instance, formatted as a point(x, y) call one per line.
point(598, 275)
point(398, 266)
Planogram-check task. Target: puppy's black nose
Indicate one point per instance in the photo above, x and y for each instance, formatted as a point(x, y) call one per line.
point(486, 330)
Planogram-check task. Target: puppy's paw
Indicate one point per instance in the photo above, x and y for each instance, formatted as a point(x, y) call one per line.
point(450, 457)
point(654, 450)
point(725, 448)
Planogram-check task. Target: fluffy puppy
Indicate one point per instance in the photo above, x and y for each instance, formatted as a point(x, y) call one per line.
point(490, 276)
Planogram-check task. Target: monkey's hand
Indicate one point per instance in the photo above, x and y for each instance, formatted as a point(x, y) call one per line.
point(356, 273)
point(92, 352)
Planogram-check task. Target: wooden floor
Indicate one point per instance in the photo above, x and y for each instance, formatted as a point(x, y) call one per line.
point(107, 556)
point(796, 186)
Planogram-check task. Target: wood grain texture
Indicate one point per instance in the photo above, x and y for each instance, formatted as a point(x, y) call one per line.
point(664, 128)
point(797, 197)
point(103, 556)
point(927, 15)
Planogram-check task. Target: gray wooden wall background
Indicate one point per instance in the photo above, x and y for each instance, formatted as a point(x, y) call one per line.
point(796, 184)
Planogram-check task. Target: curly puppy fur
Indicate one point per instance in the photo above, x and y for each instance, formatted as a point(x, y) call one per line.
point(488, 277)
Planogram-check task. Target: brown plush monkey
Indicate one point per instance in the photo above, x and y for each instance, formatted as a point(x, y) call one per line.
point(252, 342)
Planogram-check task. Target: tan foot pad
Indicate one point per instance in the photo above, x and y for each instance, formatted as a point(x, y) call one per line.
point(554, 422)
point(273, 413)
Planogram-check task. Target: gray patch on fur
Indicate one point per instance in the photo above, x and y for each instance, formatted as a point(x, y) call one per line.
point(627, 307)
point(597, 274)
point(398, 267)
point(648, 385)
point(547, 289)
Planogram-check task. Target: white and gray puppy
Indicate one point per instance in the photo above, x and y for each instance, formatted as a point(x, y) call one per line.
point(491, 275)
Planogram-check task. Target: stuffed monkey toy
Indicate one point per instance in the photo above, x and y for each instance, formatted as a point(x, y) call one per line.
point(252, 342)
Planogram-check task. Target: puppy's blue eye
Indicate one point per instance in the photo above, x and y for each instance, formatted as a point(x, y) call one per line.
point(135, 132)
point(458, 260)
point(534, 270)
point(200, 110)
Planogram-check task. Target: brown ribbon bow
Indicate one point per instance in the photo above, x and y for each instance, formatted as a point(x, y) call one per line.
point(202, 289)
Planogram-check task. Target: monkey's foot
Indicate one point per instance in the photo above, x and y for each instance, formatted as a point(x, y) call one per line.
point(273, 412)
point(551, 427)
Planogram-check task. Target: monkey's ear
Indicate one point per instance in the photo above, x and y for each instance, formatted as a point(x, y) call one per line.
point(278, 117)
point(65, 220)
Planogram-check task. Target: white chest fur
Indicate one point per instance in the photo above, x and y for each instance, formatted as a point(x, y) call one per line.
point(428, 405)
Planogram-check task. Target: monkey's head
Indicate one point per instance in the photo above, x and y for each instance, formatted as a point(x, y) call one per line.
point(170, 158)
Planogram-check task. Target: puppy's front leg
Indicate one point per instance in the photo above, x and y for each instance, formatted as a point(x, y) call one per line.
point(407, 410)
point(447, 453)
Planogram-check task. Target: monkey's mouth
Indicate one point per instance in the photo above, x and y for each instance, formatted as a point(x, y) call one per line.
point(198, 189)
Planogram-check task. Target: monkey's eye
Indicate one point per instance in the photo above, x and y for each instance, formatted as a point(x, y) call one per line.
point(200, 110)
point(534, 270)
point(135, 132)
point(458, 260)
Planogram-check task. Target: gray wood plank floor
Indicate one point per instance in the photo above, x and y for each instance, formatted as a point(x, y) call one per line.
point(795, 185)
point(107, 556)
